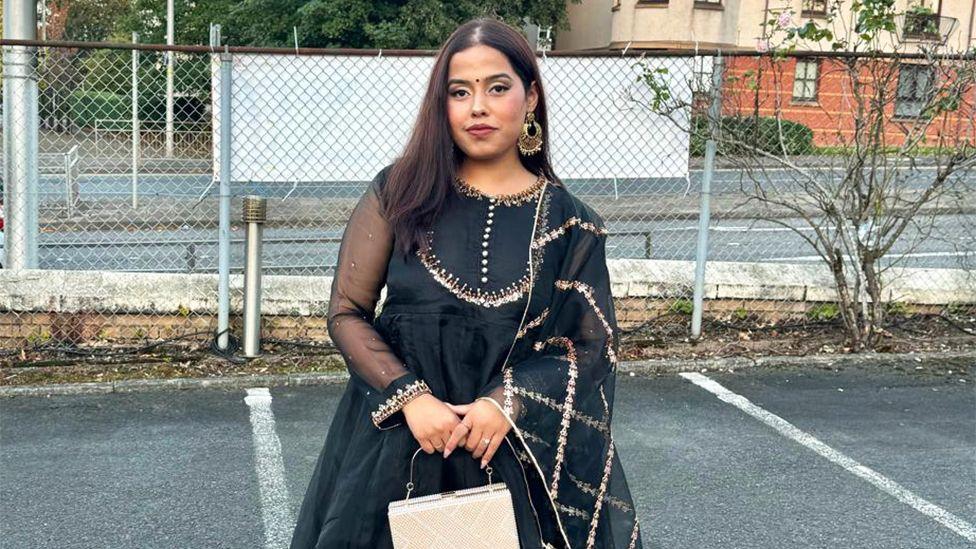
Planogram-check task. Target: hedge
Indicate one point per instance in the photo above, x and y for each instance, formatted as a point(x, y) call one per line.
point(86, 106)
point(764, 135)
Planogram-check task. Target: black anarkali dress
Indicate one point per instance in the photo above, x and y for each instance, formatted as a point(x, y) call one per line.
point(450, 316)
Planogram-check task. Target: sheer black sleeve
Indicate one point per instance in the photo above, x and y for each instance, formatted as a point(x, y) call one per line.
point(364, 254)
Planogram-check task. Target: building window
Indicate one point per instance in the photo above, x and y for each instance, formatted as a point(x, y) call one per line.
point(709, 4)
point(616, 5)
point(915, 85)
point(701, 76)
point(814, 7)
point(921, 23)
point(701, 83)
point(805, 80)
point(652, 3)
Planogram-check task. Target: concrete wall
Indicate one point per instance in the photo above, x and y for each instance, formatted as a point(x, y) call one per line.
point(84, 305)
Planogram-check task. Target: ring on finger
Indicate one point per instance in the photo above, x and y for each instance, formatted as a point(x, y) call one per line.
point(486, 441)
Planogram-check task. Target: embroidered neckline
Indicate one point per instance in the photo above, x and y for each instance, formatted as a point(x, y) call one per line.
point(510, 199)
point(477, 295)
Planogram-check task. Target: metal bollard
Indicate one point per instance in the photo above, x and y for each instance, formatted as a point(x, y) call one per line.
point(255, 214)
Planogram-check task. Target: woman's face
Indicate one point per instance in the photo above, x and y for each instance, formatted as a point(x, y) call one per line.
point(483, 89)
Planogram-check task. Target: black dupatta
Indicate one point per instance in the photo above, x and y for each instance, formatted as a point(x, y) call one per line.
point(558, 395)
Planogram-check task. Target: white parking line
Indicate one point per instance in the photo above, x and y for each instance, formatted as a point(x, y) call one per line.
point(788, 430)
point(270, 470)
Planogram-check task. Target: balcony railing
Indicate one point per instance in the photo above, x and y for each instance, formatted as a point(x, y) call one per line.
point(926, 26)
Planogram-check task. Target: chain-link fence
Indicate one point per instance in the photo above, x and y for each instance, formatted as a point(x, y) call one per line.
point(122, 169)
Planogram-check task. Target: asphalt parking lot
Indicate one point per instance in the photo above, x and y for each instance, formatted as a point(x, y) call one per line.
point(875, 457)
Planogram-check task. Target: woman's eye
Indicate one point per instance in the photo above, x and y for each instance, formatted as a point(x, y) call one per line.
point(497, 87)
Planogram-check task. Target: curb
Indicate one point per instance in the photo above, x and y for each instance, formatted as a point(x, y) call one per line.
point(670, 366)
point(180, 383)
point(630, 368)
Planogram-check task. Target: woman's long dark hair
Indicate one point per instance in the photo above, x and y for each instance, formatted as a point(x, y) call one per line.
point(418, 183)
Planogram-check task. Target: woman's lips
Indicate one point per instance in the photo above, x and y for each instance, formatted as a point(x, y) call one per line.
point(480, 132)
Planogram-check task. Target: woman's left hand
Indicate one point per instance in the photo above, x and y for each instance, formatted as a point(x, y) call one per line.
point(480, 421)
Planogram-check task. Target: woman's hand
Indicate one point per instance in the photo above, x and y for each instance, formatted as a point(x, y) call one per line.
point(481, 421)
point(431, 421)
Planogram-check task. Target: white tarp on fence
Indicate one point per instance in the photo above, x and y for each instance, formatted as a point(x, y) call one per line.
point(325, 118)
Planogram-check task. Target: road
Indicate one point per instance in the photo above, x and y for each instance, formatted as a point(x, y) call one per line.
point(875, 458)
point(724, 181)
point(312, 251)
point(951, 244)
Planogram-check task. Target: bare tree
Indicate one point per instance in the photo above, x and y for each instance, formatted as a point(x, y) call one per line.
point(869, 187)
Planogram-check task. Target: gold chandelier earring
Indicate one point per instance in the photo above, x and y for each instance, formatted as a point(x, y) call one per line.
point(530, 144)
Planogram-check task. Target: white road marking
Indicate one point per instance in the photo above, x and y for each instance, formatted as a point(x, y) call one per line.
point(898, 256)
point(813, 168)
point(745, 229)
point(270, 470)
point(940, 515)
point(731, 229)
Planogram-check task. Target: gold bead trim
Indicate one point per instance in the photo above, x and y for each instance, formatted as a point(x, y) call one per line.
point(508, 390)
point(511, 199)
point(587, 292)
point(567, 411)
point(589, 489)
point(529, 435)
point(601, 426)
point(633, 533)
point(561, 230)
point(574, 511)
point(508, 294)
point(394, 403)
point(591, 538)
point(533, 323)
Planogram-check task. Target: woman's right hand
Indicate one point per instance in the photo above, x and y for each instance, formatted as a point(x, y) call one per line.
point(430, 421)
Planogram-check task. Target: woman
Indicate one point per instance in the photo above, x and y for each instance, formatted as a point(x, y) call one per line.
point(483, 352)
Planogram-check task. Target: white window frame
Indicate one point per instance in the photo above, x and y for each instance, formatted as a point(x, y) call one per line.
point(805, 86)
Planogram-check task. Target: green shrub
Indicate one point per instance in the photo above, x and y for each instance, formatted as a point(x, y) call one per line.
point(896, 308)
point(823, 311)
point(86, 106)
point(761, 132)
point(682, 306)
point(740, 313)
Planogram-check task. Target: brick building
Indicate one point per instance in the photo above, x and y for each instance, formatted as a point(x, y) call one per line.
point(813, 91)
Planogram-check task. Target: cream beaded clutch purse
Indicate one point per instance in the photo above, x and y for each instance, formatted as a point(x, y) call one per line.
point(480, 517)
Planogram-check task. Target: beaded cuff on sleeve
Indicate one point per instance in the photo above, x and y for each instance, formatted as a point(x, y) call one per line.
point(395, 402)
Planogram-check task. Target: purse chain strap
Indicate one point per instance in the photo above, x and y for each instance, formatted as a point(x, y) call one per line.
point(410, 484)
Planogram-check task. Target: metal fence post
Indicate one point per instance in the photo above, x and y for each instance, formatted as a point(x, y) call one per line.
point(170, 61)
point(223, 232)
point(20, 136)
point(701, 252)
point(69, 199)
point(135, 123)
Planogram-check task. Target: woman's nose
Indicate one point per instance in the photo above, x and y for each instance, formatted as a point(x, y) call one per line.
point(478, 104)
